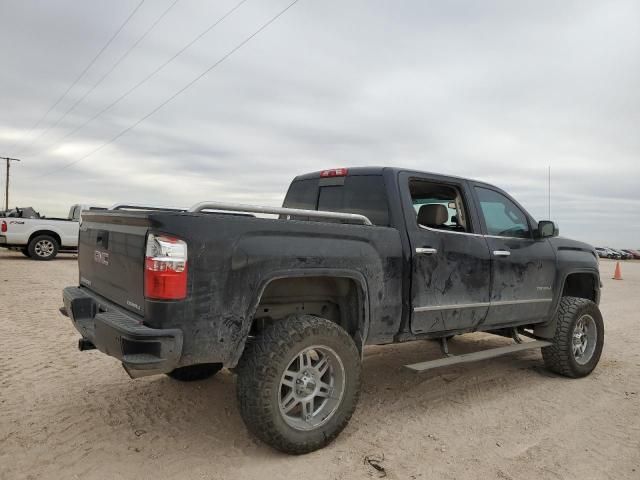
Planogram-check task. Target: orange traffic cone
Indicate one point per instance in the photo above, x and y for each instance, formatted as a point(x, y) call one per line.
point(618, 273)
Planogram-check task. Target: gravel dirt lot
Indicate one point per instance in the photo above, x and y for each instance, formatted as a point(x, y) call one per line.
point(68, 414)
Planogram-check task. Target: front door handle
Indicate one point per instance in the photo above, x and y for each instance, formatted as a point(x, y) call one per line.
point(426, 250)
point(501, 253)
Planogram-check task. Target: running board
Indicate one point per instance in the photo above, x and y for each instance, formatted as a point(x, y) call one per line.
point(475, 356)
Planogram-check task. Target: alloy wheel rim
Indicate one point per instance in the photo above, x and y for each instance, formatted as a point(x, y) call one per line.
point(311, 388)
point(44, 248)
point(584, 338)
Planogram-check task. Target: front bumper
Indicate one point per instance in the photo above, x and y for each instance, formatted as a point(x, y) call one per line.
point(142, 350)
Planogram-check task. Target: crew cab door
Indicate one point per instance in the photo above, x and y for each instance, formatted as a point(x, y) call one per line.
point(523, 268)
point(450, 262)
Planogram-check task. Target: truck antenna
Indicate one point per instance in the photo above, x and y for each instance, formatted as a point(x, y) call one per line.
point(549, 193)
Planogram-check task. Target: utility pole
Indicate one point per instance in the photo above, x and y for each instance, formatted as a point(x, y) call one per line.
point(6, 192)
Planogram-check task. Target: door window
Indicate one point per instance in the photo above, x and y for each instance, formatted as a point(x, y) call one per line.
point(501, 216)
point(438, 206)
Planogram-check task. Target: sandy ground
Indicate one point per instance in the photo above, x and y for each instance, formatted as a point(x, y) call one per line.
point(68, 414)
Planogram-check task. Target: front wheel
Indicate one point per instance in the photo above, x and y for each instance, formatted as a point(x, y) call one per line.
point(299, 383)
point(579, 338)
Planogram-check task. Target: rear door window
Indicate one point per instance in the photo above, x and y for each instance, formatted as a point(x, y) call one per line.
point(439, 206)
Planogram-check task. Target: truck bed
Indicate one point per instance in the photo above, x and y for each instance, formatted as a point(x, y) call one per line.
point(231, 260)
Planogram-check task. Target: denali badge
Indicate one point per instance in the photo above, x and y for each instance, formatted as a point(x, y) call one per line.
point(101, 257)
point(134, 305)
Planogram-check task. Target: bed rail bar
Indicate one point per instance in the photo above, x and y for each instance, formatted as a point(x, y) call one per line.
point(297, 212)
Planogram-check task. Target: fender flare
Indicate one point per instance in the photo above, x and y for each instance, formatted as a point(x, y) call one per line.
point(354, 275)
point(548, 329)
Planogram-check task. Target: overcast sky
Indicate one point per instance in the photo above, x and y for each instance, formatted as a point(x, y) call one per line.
point(490, 90)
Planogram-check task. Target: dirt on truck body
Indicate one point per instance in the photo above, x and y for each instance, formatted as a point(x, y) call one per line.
point(363, 256)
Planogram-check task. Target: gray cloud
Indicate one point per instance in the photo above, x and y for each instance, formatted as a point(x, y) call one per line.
point(490, 90)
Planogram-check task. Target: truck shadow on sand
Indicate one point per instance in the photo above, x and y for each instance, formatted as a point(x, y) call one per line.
point(203, 416)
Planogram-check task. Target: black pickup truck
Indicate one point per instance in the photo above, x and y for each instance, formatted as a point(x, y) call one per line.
point(355, 257)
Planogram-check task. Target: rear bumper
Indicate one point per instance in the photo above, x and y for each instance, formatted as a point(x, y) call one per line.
point(142, 350)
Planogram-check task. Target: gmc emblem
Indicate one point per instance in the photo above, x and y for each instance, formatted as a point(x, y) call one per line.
point(101, 257)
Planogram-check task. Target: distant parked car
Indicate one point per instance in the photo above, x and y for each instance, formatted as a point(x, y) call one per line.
point(615, 254)
point(633, 253)
point(605, 252)
point(625, 255)
point(621, 255)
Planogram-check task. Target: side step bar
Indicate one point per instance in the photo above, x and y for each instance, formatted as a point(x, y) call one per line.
point(475, 356)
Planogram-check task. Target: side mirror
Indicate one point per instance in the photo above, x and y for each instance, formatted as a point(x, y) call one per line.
point(547, 228)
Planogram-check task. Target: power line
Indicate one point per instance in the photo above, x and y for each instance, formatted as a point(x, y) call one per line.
point(147, 78)
point(183, 89)
point(104, 76)
point(86, 69)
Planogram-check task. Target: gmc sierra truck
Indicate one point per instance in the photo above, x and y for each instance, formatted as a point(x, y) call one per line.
point(355, 257)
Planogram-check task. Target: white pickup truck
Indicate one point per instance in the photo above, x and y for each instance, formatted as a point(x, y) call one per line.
point(42, 238)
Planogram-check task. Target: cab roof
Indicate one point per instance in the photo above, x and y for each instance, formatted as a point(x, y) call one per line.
point(377, 170)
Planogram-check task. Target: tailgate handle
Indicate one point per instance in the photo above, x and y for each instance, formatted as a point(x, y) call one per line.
point(102, 239)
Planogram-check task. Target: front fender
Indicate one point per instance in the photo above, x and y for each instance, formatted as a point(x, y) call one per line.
point(548, 329)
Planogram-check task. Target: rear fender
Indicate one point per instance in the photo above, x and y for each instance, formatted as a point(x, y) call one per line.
point(357, 277)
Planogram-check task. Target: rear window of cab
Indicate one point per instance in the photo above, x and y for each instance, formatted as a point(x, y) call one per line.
point(362, 194)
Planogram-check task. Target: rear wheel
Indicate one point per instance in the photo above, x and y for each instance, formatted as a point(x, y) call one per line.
point(299, 383)
point(194, 373)
point(25, 252)
point(43, 247)
point(579, 338)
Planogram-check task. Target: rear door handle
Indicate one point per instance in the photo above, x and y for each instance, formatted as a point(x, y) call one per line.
point(426, 250)
point(501, 253)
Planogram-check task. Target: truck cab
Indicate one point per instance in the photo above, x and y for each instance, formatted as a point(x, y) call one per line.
point(475, 259)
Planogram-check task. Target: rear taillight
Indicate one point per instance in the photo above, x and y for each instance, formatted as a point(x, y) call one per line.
point(4, 226)
point(165, 268)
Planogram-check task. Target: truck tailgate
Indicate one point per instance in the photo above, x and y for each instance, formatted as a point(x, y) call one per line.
point(111, 257)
